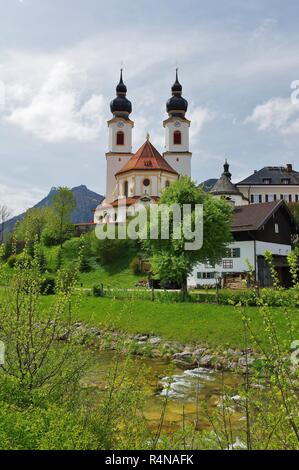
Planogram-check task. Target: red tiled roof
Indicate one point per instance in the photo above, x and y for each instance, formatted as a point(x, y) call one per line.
point(147, 158)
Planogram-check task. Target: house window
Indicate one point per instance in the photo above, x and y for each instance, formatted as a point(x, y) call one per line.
point(146, 182)
point(210, 275)
point(290, 198)
point(227, 264)
point(256, 198)
point(267, 180)
point(120, 138)
point(234, 253)
point(296, 198)
point(126, 188)
point(167, 184)
point(177, 138)
point(276, 228)
point(285, 181)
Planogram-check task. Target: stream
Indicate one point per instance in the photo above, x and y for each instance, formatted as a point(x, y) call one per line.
point(187, 391)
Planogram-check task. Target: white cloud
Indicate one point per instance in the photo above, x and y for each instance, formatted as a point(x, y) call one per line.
point(20, 200)
point(57, 111)
point(199, 116)
point(276, 114)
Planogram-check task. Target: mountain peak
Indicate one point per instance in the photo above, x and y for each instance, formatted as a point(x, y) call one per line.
point(86, 201)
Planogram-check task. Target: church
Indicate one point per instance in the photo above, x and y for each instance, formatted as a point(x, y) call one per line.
point(259, 224)
point(140, 178)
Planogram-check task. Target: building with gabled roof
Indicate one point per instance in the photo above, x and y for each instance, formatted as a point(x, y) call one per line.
point(256, 228)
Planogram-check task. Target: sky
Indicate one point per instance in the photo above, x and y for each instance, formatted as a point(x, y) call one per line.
point(59, 66)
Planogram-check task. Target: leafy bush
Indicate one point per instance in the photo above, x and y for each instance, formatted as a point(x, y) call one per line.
point(98, 290)
point(135, 265)
point(48, 286)
point(50, 238)
point(12, 260)
point(85, 266)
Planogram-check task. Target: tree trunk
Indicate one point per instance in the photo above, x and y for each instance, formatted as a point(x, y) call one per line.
point(184, 290)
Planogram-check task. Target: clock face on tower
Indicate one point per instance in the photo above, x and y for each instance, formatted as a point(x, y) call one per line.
point(177, 124)
point(120, 124)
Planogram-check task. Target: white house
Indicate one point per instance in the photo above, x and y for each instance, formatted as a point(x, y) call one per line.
point(256, 228)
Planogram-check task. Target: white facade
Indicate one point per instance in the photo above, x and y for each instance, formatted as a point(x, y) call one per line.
point(133, 182)
point(235, 199)
point(118, 154)
point(248, 251)
point(268, 193)
point(178, 155)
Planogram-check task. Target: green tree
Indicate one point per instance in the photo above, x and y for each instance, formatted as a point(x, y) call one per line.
point(36, 220)
point(4, 216)
point(169, 258)
point(63, 205)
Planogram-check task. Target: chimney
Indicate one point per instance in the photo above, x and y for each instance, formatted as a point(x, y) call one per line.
point(289, 167)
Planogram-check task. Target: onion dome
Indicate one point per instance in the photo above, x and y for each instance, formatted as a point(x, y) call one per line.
point(177, 105)
point(121, 106)
point(224, 186)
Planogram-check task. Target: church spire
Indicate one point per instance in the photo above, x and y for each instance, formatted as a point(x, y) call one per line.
point(177, 87)
point(177, 105)
point(121, 106)
point(226, 169)
point(121, 88)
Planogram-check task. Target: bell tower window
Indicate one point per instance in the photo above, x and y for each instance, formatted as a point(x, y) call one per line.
point(177, 138)
point(120, 138)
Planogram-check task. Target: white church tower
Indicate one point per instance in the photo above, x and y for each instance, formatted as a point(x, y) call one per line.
point(177, 129)
point(120, 138)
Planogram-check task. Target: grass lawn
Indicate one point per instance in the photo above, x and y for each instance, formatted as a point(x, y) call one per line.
point(123, 279)
point(114, 276)
point(215, 325)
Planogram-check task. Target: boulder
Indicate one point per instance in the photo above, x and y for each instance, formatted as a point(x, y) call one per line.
point(242, 361)
point(206, 360)
point(155, 341)
point(185, 356)
point(141, 338)
point(199, 352)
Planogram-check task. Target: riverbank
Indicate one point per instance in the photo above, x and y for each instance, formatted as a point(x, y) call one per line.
point(216, 326)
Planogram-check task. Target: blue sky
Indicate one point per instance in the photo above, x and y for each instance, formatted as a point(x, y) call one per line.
point(59, 65)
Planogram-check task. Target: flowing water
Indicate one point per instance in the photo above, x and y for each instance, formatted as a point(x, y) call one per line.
point(188, 392)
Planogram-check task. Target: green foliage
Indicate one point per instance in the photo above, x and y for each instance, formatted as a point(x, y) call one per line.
point(170, 259)
point(98, 290)
point(48, 285)
point(113, 254)
point(63, 204)
point(136, 265)
point(35, 222)
point(12, 260)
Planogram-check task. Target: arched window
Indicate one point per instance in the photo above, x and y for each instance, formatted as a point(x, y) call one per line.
point(177, 138)
point(120, 138)
point(126, 188)
point(167, 184)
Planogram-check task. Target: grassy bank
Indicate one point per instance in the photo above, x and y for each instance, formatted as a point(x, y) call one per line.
point(217, 326)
